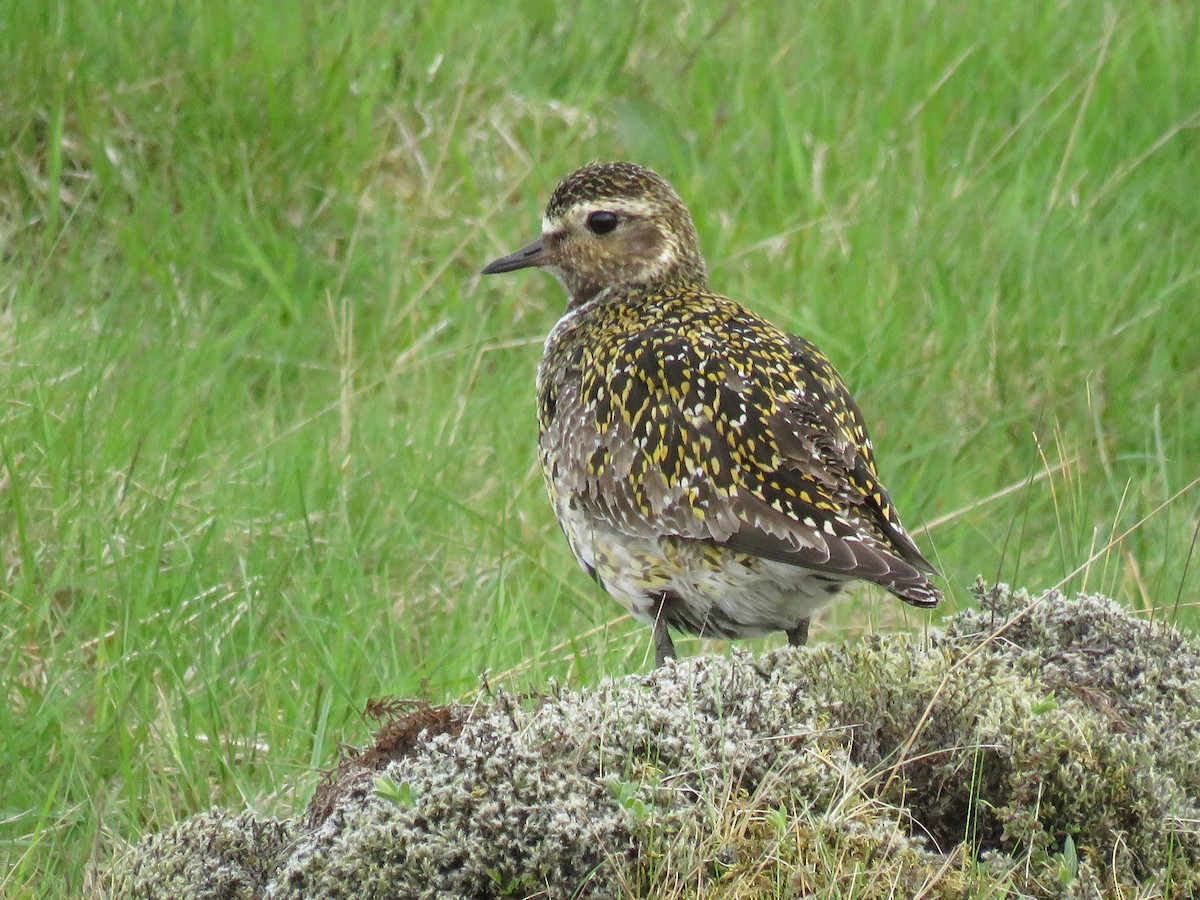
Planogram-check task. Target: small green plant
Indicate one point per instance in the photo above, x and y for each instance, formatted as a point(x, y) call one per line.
point(1068, 862)
point(777, 820)
point(1046, 704)
point(398, 792)
point(627, 794)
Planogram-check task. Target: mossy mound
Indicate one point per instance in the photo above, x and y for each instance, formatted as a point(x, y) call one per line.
point(1045, 747)
point(215, 854)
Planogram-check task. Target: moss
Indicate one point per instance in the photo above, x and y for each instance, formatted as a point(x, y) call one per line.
point(1026, 722)
point(215, 855)
point(1044, 746)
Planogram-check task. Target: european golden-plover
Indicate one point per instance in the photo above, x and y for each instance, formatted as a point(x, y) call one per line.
point(711, 472)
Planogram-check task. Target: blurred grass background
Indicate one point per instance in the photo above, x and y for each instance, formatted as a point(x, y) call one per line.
point(267, 443)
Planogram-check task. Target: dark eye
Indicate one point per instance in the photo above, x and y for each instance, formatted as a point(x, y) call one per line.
point(601, 221)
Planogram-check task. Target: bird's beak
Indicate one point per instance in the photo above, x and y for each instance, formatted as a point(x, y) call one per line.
point(534, 254)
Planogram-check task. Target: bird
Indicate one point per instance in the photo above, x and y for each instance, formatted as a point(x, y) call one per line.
point(711, 471)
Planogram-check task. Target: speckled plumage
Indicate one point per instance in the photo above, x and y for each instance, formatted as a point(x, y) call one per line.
point(710, 471)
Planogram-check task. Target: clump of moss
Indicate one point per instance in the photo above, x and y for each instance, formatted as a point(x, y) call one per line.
point(215, 854)
point(574, 795)
point(1048, 745)
point(1028, 723)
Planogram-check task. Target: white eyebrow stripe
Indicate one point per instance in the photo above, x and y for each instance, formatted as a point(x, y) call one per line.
point(626, 205)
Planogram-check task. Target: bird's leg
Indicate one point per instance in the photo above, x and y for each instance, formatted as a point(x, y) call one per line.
point(798, 636)
point(664, 647)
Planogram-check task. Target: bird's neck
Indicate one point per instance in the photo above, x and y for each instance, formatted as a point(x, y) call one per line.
point(586, 295)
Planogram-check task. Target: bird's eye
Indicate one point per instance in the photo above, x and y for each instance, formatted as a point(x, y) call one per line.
point(601, 221)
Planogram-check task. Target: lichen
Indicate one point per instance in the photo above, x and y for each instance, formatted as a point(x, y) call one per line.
point(1048, 746)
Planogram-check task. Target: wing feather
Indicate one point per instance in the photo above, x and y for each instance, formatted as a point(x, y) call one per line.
point(721, 427)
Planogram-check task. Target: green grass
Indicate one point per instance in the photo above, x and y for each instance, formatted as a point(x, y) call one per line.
point(266, 441)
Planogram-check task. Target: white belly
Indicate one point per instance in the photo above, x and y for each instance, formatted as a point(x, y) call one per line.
point(713, 591)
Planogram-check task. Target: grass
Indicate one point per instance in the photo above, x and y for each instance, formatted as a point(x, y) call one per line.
point(266, 441)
